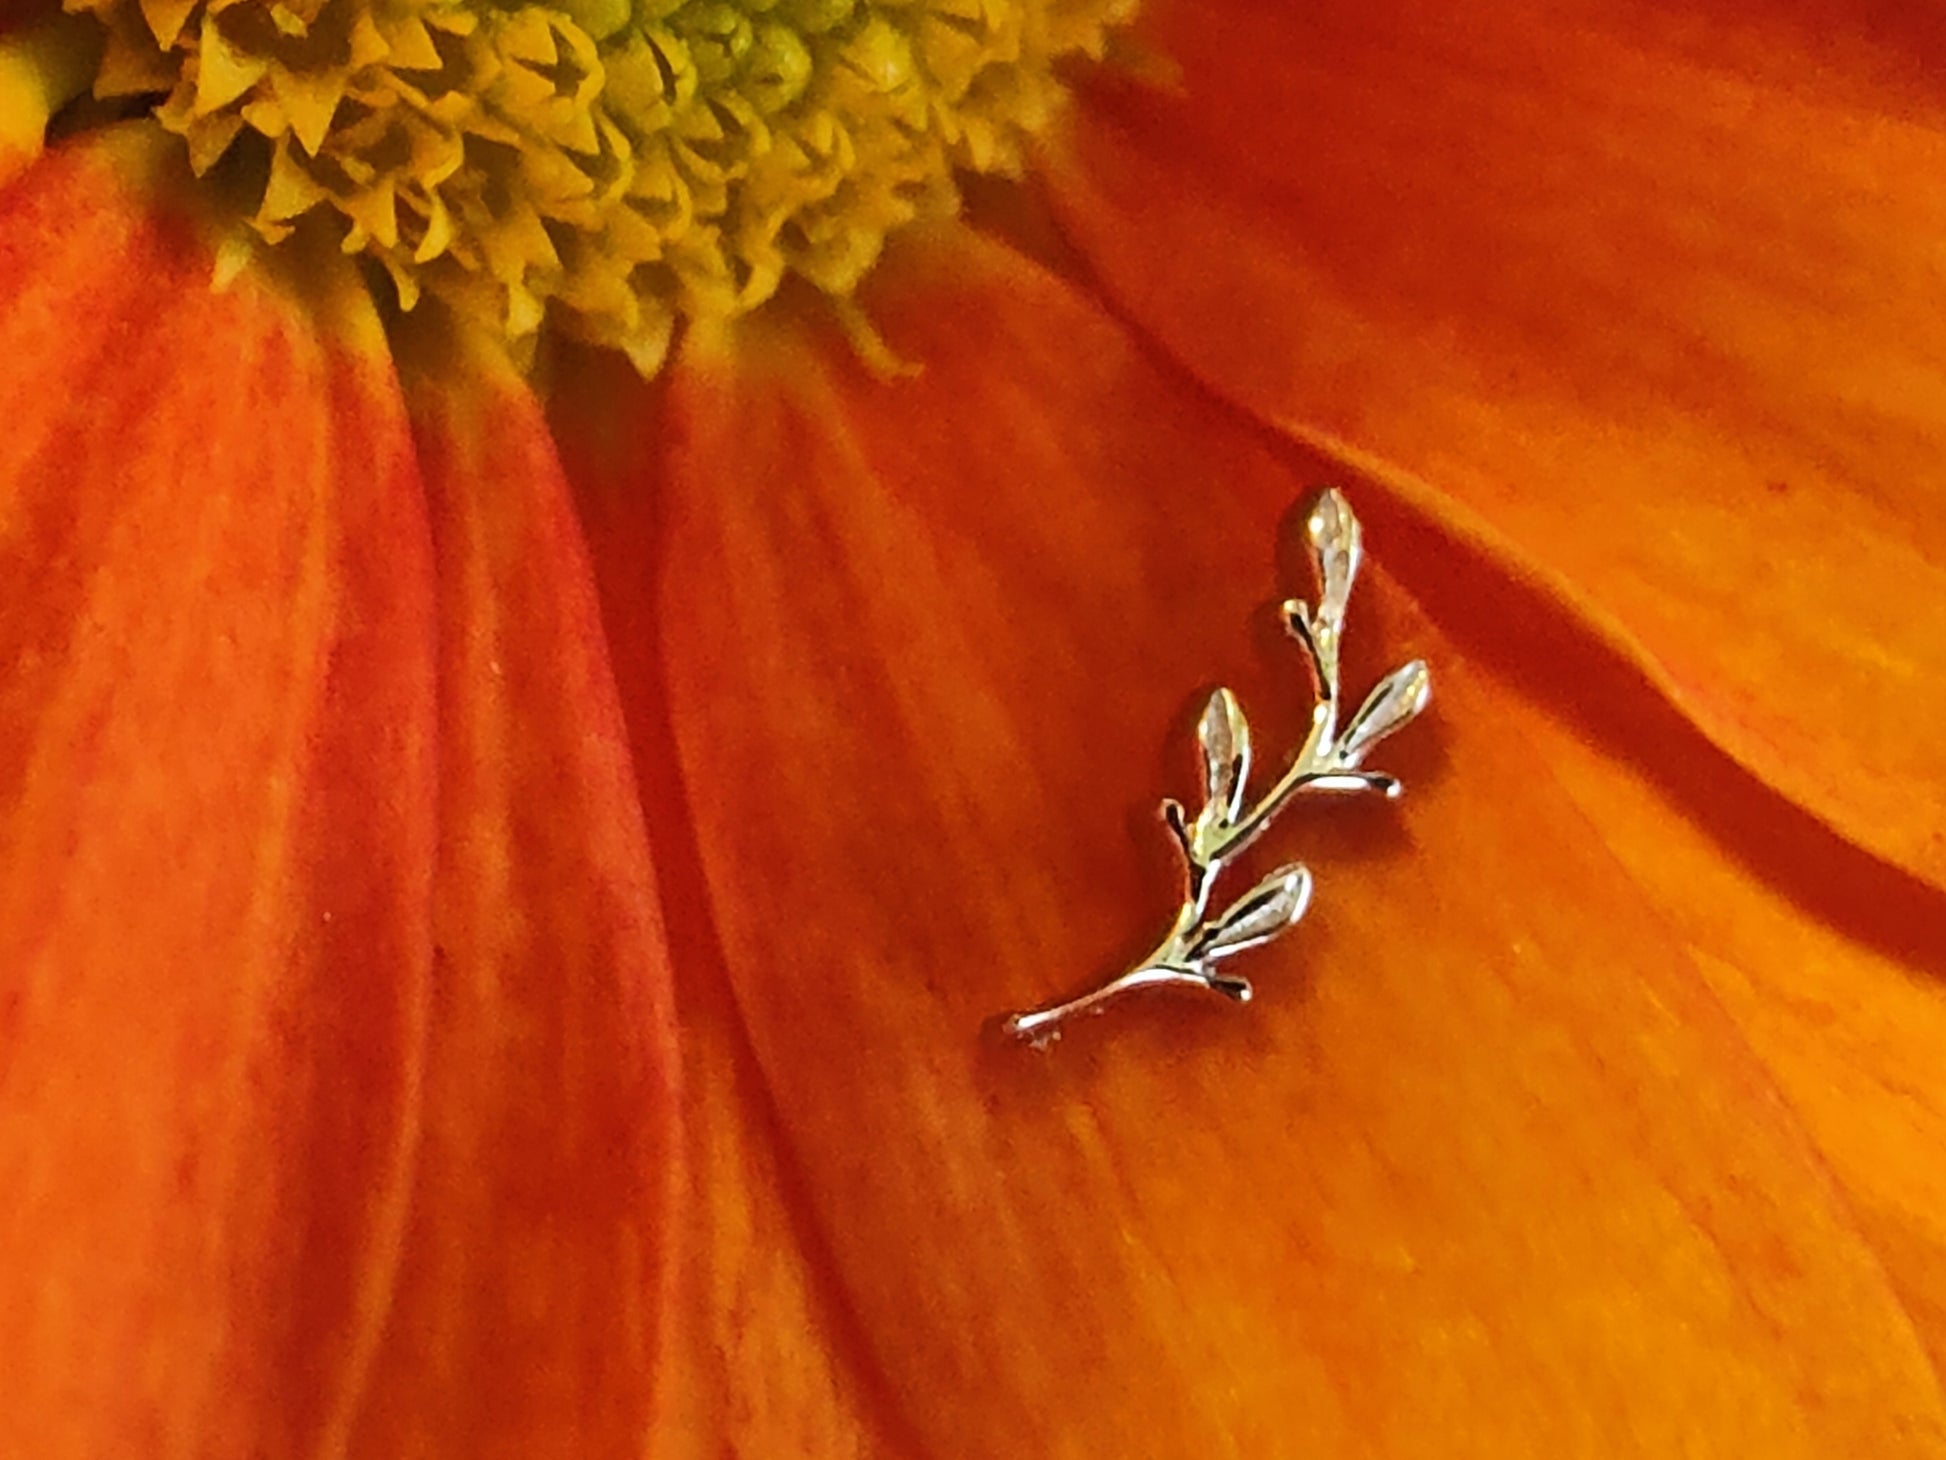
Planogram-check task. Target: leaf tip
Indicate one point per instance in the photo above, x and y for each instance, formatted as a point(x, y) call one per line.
point(1329, 515)
point(1225, 736)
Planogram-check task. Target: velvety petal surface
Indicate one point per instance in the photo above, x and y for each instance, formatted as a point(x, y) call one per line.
point(1486, 1166)
point(216, 835)
point(527, 1316)
point(761, 1355)
point(1639, 299)
point(1830, 963)
point(1826, 957)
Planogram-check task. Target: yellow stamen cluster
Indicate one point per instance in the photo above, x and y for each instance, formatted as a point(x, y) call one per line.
point(610, 164)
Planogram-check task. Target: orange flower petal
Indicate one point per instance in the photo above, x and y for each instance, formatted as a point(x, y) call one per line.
point(1825, 958)
point(760, 1357)
point(216, 837)
point(1648, 297)
point(1485, 1165)
point(525, 1320)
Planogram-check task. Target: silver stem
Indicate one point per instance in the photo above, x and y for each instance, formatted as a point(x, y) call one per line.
point(1307, 768)
point(1196, 943)
point(1042, 1024)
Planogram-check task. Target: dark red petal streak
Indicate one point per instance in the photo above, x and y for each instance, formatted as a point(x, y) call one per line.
point(760, 1356)
point(216, 837)
point(1641, 299)
point(526, 1321)
point(1484, 1162)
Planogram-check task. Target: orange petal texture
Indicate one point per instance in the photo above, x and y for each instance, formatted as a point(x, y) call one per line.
point(1646, 293)
point(391, 766)
point(526, 1317)
point(1829, 965)
point(217, 834)
point(336, 1058)
point(762, 1355)
point(1487, 1166)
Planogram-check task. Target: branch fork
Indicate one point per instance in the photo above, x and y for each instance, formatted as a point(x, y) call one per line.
point(1329, 763)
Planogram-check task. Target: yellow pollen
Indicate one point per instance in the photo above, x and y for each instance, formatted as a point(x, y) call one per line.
point(610, 166)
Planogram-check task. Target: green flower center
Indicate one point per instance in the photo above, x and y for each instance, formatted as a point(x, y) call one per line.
point(608, 165)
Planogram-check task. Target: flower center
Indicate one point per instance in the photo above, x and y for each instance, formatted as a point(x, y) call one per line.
point(610, 165)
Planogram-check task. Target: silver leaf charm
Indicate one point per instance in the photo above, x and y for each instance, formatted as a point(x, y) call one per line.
point(1338, 541)
point(1263, 912)
point(1225, 737)
point(1327, 763)
point(1393, 705)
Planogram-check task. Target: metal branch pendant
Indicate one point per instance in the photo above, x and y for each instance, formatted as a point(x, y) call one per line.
point(1329, 762)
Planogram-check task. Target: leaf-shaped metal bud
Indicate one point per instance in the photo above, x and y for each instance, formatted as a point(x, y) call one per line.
point(1225, 736)
point(1336, 539)
point(1260, 914)
point(1399, 697)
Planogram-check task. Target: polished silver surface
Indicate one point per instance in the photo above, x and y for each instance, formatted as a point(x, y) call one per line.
point(1328, 763)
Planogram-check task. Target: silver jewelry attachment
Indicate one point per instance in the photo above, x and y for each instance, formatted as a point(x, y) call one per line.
point(1327, 764)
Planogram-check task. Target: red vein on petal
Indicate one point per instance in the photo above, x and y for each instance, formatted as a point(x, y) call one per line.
point(601, 413)
point(388, 541)
point(528, 1315)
